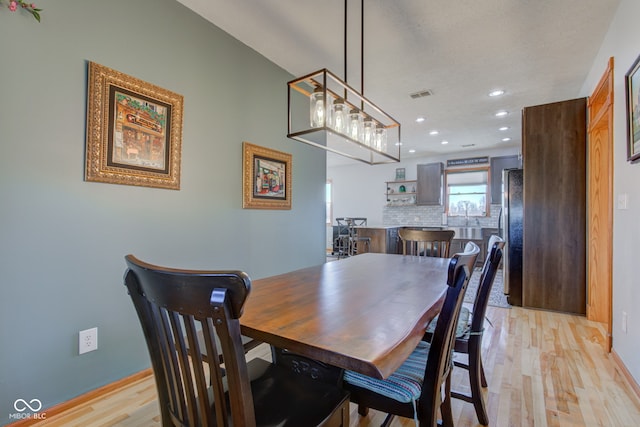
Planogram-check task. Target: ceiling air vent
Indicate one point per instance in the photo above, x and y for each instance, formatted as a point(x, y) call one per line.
point(421, 94)
point(468, 145)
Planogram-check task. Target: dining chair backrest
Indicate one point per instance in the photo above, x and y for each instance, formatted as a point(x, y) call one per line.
point(181, 313)
point(173, 305)
point(434, 243)
point(487, 276)
point(470, 341)
point(441, 350)
point(415, 389)
point(468, 334)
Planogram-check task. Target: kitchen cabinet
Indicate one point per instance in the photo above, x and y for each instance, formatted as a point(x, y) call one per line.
point(384, 240)
point(555, 200)
point(468, 234)
point(498, 164)
point(429, 184)
point(400, 193)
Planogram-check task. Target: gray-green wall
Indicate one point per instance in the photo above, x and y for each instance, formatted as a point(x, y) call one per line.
point(62, 240)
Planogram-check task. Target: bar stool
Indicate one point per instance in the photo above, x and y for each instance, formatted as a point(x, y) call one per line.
point(358, 244)
point(343, 239)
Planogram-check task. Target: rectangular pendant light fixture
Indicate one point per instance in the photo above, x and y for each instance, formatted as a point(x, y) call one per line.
point(327, 113)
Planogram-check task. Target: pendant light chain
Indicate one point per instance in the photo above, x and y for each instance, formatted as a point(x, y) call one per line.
point(346, 77)
point(346, 33)
point(362, 52)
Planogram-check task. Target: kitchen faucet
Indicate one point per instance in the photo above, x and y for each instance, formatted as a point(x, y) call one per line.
point(466, 214)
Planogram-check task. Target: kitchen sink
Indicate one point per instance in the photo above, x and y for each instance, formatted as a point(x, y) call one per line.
point(467, 233)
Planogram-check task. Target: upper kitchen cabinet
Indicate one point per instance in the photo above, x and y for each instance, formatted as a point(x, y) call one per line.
point(498, 164)
point(429, 184)
point(554, 143)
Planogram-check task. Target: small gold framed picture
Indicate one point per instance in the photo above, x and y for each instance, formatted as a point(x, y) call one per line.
point(266, 178)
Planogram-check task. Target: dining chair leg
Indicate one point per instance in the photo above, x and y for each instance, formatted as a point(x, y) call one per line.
point(387, 420)
point(482, 376)
point(363, 410)
point(445, 407)
point(476, 376)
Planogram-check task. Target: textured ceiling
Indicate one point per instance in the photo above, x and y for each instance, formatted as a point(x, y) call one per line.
point(538, 51)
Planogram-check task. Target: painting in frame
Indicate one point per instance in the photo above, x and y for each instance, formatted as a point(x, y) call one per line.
point(266, 178)
point(632, 85)
point(134, 131)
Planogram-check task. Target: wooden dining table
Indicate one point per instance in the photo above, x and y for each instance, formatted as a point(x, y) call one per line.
point(365, 313)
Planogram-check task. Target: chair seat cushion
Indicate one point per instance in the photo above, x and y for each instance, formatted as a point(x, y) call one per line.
point(462, 327)
point(404, 385)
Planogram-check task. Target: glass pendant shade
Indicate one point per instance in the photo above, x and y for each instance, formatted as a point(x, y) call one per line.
point(355, 124)
point(327, 113)
point(339, 116)
point(317, 108)
point(380, 138)
point(368, 129)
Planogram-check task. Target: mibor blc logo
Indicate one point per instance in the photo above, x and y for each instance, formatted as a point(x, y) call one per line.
point(27, 409)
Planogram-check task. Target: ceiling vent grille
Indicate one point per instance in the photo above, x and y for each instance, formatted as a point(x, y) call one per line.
point(421, 94)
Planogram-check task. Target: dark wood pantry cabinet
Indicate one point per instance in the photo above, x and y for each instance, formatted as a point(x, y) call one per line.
point(555, 203)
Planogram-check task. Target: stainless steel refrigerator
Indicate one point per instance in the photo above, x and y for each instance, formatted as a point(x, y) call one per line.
point(512, 231)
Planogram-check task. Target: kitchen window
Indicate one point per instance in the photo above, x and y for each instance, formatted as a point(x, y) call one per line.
point(328, 197)
point(467, 192)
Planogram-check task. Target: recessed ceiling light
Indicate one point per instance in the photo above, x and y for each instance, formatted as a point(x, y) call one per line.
point(501, 113)
point(506, 139)
point(412, 151)
point(444, 142)
point(420, 119)
point(503, 128)
point(434, 132)
point(497, 92)
point(398, 143)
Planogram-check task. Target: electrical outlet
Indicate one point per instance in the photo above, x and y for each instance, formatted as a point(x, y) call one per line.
point(625, 318)
point(88, 340)
point(623, 201)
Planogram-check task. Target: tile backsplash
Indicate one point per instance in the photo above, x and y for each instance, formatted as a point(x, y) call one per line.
point(432, 216)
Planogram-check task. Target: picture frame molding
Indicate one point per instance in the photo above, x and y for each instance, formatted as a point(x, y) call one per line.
point(632, 93)
point(104, 139)
point(252, 200)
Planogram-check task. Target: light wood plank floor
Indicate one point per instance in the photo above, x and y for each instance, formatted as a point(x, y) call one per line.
point(543, 369)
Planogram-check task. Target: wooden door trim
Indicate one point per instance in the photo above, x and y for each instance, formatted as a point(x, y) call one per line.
point(600, 109)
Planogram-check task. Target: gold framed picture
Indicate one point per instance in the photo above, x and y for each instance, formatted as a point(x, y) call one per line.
point(266, 178)
point(632, 86)
point(134, 131)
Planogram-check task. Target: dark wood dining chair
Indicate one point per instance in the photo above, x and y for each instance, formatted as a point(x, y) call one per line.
point(470, 329)
point(415, 389)
point(174, 306)
point(434, 243)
